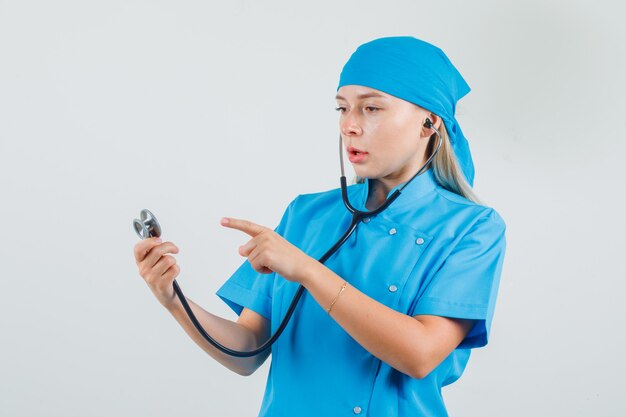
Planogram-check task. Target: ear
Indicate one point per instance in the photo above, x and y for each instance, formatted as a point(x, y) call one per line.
point(436, 122)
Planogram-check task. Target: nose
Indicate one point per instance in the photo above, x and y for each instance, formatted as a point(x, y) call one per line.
point(349, 124)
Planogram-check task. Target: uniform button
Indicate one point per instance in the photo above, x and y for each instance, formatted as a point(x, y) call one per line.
point(392, 231)
point(393, 288)
point(419, 241)
point(366, 220)
point(357, 410)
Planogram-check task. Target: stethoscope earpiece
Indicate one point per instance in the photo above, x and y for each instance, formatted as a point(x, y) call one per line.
point(148, 226)
point(428, 124)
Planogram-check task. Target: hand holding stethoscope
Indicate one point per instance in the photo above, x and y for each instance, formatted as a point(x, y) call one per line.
point(266, 247)
point(156, 267)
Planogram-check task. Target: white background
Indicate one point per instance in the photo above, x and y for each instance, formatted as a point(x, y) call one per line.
point(198, 110)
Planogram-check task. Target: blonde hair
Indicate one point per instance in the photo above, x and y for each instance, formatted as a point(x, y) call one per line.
point(445, 167)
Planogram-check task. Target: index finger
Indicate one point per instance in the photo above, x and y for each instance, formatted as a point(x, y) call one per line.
point(245, 226)
point(144, 246)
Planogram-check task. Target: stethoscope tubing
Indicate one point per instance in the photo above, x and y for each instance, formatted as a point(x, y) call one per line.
point(357, 216)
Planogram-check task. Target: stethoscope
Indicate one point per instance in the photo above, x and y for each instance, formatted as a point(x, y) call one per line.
point(148, 226)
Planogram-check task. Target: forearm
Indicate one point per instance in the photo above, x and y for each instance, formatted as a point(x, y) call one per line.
point(226, 332)
point(395, 338)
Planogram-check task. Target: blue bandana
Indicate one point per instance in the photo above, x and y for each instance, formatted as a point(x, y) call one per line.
point(418, 72)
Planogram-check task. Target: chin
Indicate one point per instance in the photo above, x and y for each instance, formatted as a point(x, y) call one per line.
point(365, 174)
point(361, 175)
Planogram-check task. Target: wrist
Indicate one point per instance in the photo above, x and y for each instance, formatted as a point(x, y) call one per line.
point(174, 305)
point(310, 272)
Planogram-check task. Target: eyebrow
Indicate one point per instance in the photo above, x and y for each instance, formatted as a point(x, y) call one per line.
point(366, 95)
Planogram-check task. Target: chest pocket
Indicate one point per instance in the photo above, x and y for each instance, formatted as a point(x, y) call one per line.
point(378, 259)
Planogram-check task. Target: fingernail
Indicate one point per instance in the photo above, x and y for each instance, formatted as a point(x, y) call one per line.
point(224, 220)
point(158, 240)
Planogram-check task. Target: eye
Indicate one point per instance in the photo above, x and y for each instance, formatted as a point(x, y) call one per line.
point(368, 108)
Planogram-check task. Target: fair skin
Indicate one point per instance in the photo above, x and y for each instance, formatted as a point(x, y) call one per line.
point(391, 131)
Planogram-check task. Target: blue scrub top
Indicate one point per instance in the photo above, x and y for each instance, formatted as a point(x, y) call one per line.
point(431, 252)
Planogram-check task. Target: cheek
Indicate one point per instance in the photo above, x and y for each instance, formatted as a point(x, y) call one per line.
point(394, 137)
point(397, 127)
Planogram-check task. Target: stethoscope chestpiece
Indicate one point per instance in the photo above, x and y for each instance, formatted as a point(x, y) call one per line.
point(148, 226)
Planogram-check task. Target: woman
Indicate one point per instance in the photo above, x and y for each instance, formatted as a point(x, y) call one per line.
point(391, 317)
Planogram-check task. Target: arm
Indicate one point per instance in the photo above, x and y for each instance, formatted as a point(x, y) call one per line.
point(159, 271)
point(412, 345)
point(249, 332)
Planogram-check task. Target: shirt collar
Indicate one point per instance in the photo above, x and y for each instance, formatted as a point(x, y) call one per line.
point(418, 187)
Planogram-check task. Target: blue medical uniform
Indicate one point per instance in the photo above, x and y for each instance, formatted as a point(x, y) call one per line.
point(431, 252)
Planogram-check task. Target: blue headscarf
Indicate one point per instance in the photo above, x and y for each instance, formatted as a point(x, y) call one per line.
point(418, 72)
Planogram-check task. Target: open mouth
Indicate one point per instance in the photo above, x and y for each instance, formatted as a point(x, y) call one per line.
point(356, 156)
point(355, 151)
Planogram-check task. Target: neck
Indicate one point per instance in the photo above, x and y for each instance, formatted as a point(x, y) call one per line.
point(377, 194)
point(379, 188)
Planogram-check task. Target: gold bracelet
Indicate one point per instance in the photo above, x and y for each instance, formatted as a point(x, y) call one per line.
point(343, 287)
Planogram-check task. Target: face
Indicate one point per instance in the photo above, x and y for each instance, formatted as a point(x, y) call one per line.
point(383, 135)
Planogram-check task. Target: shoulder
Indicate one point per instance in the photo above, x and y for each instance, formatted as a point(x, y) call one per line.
point(321, 197)
point(466, 229)
point(473, 212)
point(307, 212)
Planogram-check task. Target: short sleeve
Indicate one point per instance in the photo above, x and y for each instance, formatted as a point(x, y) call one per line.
point(467, 283)
point(249, 288)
